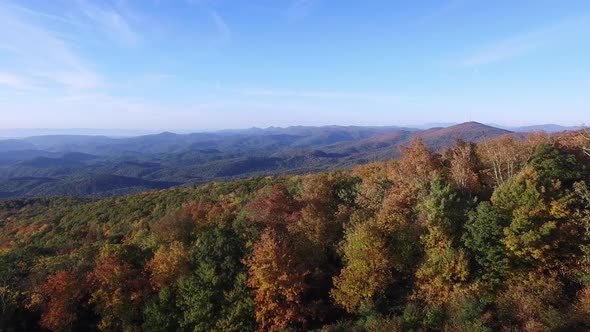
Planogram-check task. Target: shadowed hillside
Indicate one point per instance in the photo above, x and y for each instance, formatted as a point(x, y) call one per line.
point(161, 160)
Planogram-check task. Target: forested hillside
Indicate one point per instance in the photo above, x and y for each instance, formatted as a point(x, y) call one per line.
point(486, 237)
point(98, 166)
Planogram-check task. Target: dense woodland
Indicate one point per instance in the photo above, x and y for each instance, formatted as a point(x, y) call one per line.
point(486, 237)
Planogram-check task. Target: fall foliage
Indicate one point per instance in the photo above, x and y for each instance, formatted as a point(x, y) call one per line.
point(479, 237)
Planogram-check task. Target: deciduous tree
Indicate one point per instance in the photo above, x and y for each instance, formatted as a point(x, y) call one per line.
point(504, 157)
point(277, 278)
point(119, 287)
point(464, 167)
point(169, 263)
point(532, 302)
point(207, 296)
point(61, 294)
point(368, 269)
point(445, 268)
point(417, 165)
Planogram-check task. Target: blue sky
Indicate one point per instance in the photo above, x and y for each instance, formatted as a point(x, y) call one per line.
point(211, 64)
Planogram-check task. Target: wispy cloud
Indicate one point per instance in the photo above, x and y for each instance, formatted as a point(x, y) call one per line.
point(527, 43)
point(505, 50)
point(299, 9)
point(83, 109)
point(222, 28)
point(41, 54)
point(111, 21)
point(15, 82)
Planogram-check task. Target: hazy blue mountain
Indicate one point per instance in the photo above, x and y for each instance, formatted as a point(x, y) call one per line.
point(11, 157)
point(435, 125)
point(438, 138)
point(82, 165)
point(29, 132)
point(548, 128)
point(14, 145)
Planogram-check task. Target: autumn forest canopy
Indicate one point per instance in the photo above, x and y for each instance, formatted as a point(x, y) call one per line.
point(294, 165)
point(493, 236)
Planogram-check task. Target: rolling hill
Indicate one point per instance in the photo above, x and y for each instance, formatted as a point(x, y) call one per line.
point(100, 166)
point(438, 138)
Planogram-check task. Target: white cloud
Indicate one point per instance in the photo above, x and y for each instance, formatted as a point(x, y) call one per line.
point(41, 55)
point(222, 28)
point(15, 82)
point(528, 43)
point(504, 50)
point(101, 18)
point(111, 21)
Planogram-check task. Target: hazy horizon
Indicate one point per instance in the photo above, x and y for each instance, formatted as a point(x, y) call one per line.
point(188, 65)
point(8, 133)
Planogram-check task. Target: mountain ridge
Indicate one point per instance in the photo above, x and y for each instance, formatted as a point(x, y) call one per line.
point(170, 159)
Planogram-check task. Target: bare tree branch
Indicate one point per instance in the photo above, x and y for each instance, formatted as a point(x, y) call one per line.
point(586, 136)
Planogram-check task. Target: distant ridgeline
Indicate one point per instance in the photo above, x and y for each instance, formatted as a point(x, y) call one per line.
point(487, 237)
point(99, 166)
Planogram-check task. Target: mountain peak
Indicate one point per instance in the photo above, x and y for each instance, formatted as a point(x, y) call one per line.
point(167, 133)
point(471, 125)
point(468, 131)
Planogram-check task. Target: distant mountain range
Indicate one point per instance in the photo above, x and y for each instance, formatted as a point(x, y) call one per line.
point(548, 128)
point(100, 166)
point(30, 132)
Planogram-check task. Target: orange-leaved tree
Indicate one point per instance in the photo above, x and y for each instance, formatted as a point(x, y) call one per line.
point(119, 286)
point(277, 271)
point(60, 294)
point(278, 279)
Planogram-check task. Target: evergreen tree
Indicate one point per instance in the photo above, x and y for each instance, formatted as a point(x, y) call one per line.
point(484, 237)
